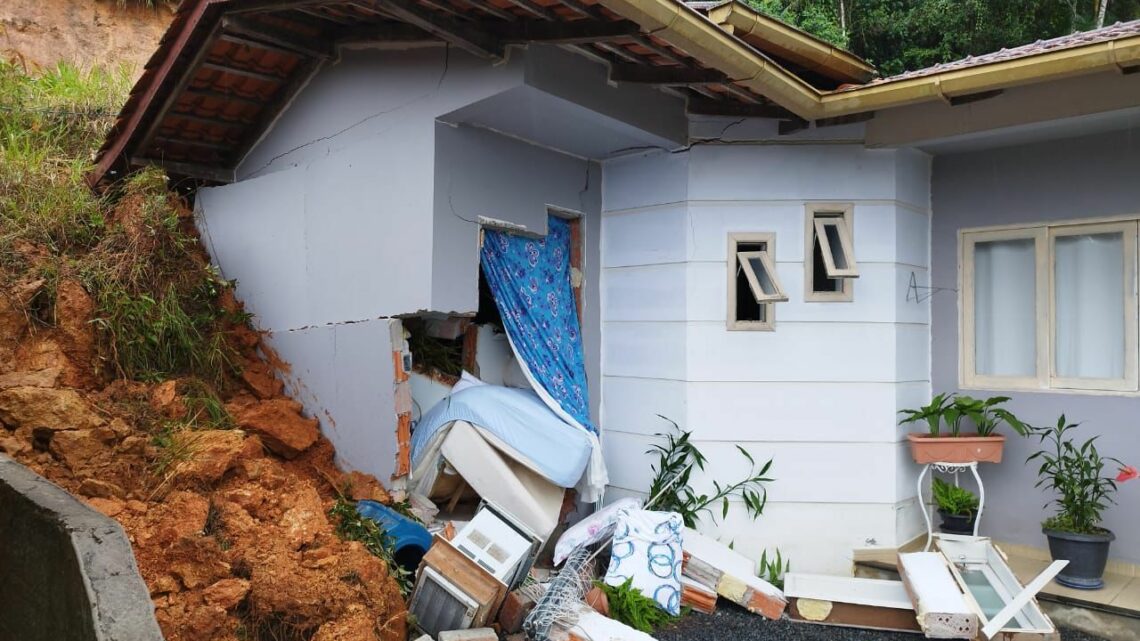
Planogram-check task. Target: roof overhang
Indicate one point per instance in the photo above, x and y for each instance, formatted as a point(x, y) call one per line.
point(227, 68)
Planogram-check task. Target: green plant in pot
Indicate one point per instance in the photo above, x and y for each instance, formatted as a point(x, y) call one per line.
point(982, 444)
point(957, 506)
point(1076, 474)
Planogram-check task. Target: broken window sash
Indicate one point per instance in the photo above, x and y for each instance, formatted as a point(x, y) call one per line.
point(993, 591)
point(760, 271)
point(834, 239)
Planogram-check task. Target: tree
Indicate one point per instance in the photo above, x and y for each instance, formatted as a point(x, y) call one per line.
point(900, 35)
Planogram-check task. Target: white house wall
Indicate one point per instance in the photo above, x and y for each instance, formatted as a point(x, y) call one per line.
point(361, 204)
point(820, 394)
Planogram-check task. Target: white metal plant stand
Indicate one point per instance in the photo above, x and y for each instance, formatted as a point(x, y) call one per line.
point(955, 469)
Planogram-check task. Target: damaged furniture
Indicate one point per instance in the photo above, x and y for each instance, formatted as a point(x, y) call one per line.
point(505, 446)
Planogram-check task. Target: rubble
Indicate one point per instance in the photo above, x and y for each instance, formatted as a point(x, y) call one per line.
point(233, 542)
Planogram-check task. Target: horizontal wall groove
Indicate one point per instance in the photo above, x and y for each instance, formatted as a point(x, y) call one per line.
point(695, 439)
point(707, 261)
point(924, 210)
point(773, 501)
point(758, 381)
point(779, 322)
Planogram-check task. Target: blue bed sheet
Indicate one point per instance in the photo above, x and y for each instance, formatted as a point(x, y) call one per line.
point(521, 420)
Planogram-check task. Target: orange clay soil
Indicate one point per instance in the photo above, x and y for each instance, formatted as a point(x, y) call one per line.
point(229, 526)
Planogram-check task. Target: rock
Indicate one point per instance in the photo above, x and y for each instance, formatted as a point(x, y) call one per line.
point(138, 507)
point(165, 400)
point(260, 380)
point(74, 311)
point(100, 489)
point(57, 409)
point(182, 514)
point(44, 351)
point(37, 378)
point(211, 453)
point(280, 425)
point(227, 593)
point(109, 507)
point(365, 487)
point(165, 584)
point(133, 445)
point(76, 448)
point(304, 519)
point(12, 446)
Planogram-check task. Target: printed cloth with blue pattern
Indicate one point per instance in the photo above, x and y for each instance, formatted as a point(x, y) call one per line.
point(647, 549)
point(530, 280)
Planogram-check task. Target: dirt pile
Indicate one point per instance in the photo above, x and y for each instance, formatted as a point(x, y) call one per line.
point(42, 33)
point(224, 487)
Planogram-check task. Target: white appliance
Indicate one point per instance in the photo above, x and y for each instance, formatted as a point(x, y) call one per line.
point(499, 544)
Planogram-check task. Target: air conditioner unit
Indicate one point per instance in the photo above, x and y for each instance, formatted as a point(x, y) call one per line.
point(440, 605)
point(499, 544)
point(453, 592)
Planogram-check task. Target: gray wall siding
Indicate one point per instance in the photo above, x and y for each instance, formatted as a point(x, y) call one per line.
point(1073, 178)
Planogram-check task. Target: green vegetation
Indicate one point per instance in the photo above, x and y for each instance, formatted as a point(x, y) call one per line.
point(670, 490)
point(773, 569)
point(351, 526)
point(951, 409)
point(1075, 474)
point(898, 35)
point(135, 252)
point(954, 500)
point(631, 607)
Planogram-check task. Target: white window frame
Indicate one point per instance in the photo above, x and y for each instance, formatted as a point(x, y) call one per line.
point(814, 216)
point(1044, 236)
point(733, 261)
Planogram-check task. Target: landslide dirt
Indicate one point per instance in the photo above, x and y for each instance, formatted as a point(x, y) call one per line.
point(84, 33)
point(228, 518)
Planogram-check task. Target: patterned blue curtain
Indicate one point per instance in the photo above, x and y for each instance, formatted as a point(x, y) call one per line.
point(530, 278)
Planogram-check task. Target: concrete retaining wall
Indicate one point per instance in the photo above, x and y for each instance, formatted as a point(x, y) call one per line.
point(66, 571)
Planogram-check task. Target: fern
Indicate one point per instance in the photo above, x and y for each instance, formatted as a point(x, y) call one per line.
point(631, 607)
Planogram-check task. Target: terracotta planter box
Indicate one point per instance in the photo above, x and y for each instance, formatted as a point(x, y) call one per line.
point(966, 448)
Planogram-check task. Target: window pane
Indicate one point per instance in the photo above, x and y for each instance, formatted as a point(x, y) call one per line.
point(1089, 289)
point(839, 259)
point(1005, 309)
point(819, 280)
point(765, 279)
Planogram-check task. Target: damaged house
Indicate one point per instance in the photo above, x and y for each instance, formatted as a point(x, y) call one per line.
point(722, 220)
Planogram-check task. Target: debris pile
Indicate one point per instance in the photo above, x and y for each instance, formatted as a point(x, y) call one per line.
point(224, 487)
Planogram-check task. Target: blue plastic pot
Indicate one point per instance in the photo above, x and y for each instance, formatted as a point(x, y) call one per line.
point(411, 539)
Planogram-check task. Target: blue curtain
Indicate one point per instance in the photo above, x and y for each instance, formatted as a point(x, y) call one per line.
point(530, 278)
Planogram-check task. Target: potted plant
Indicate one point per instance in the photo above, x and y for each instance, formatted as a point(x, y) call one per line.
point(957, 506)
point(956, 446)
point(1076, 474)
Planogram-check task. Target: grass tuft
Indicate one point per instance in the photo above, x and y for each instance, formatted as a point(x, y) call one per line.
point(136, 253)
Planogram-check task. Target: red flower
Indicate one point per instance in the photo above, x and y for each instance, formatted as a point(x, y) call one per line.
point(1127, 473)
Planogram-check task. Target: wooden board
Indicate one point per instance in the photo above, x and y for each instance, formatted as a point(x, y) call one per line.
point(852, 615)
point(466, 575)
point(938, 603)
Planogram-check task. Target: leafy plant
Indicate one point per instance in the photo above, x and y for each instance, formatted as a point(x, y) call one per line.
point(930, 413)
point(670, 490)
point(351, 526)
point(1075, 473)
point(951, 410)
point(631, 607)
point(985, 414)
point(953, 499)
point(773, 569)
